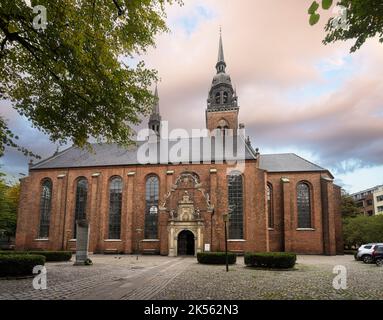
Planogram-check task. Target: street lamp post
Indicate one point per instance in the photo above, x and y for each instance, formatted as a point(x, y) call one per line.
point(225, 220)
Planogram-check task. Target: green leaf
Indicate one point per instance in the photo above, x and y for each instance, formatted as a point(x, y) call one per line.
point(326, 4)
point(314, 18)
point(313, 8)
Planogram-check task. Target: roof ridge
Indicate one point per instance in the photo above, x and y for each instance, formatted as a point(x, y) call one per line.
point(277, 154)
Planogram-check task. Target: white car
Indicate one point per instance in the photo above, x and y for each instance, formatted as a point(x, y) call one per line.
point(365, 252)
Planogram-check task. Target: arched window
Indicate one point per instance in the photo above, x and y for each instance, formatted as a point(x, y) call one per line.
point(115, 203)
point(45, 208)
point(225, 97)
point(151, 212)
point(218, 98)
point(304, 205)
point(270, 207)
point(81, 199)
point(235, 191)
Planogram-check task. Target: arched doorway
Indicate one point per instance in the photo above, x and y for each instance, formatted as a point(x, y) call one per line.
point(186, 243)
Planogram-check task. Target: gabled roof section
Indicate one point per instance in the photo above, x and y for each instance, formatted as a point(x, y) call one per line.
point(287, 162)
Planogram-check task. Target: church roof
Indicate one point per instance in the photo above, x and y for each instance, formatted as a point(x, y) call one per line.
point(115, 155)
point(287, 162)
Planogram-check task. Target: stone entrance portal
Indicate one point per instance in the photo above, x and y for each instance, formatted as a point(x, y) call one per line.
point(186, 243)
point(187, 205)
point(185, 229)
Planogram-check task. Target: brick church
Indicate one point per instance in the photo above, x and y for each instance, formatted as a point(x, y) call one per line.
point(274, 202)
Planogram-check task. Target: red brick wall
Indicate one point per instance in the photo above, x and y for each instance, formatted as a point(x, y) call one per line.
point(285, 235)
point(257, 237)
point(213, 119)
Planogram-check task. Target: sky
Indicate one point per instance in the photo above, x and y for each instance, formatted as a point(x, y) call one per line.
point(295, 94)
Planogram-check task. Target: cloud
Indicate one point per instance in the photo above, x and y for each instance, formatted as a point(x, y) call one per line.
point(294, 92)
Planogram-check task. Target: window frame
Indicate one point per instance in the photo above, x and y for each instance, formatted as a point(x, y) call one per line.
point(151, 223)
point(85, 204)
point(46, 210)
point(270, 206)
point(112, 215)
point(236, 234)
point(310, 206)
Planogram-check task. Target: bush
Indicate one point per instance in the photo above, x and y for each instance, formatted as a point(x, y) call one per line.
point(216, 258)
point(54, 255)
point(50, 256)
point(278, 260)
point(19, 264)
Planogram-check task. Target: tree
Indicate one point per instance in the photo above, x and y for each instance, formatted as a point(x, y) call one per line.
point(362, 229)
point(9, 201)
point(349, 207)
point(363, 19)
point(71, 77)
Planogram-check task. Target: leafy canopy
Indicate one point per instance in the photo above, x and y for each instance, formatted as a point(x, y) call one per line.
point(9, 201)
point(349, 207)
point(363, 20)
point(362, 229)
point(72, 80)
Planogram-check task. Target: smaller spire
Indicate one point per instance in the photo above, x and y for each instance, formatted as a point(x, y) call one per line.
point(155, 117)
point(156, 106)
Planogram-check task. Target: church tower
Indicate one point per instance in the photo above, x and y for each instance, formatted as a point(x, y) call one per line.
point(155, 117)
point(222, 104)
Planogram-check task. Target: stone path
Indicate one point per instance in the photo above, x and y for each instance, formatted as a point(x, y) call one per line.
point(141, 285)
point(157, 278)
point(111, 277)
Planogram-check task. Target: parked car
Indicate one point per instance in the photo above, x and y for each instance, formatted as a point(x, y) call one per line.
point(365, 252)
point(377, 255)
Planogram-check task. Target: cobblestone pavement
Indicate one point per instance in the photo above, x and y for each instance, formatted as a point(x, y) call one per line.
point(153, 277)
point(312, 278)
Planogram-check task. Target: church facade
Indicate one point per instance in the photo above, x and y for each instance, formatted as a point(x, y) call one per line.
point(274, 202)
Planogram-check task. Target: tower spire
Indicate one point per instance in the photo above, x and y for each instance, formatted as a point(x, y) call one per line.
point(221, 65)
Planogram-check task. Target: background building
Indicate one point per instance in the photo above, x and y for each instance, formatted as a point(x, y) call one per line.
point(370, 201)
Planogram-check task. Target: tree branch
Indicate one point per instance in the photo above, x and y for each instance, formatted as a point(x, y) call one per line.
point(119, 8)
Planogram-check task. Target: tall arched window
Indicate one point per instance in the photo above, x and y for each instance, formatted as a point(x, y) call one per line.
point(151, 212)
point(270, 207)
point(45, 208)
point(81, 199)
point(235, 191)
point(304, 205)
point(115, 203)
